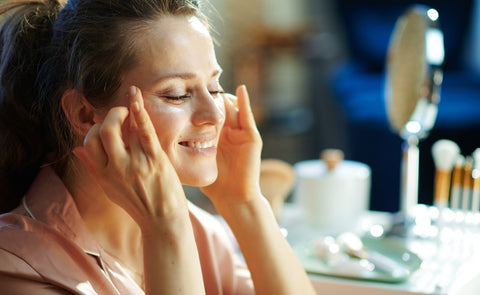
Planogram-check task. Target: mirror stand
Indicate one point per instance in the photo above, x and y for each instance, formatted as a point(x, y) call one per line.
point(409, 176)
point(412, 92)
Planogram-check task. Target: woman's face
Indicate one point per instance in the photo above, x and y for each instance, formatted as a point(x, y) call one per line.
point(178, 75)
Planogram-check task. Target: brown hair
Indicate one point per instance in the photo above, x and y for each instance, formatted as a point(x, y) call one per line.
point(48, 47)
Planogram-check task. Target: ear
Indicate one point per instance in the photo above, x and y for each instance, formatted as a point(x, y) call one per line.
point(79, 112)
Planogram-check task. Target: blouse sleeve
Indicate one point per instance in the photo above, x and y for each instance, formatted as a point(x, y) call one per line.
point(224, 271)
point(14, 285)
point(17, 277)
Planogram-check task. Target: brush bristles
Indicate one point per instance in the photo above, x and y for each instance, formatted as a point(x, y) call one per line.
point(460, 161)
point(476, 158)
point(445, 152)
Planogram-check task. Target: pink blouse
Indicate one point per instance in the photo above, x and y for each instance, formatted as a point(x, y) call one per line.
point(45, 248)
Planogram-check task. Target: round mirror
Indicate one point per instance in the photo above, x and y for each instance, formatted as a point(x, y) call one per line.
point(412, 88)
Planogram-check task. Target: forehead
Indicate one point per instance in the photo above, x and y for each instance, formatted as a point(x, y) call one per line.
point(176, 28)
point(176, 43)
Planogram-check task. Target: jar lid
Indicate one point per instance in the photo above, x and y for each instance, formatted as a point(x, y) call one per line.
point(345, 169)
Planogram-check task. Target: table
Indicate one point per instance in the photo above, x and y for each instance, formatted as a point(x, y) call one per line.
point(451, 257)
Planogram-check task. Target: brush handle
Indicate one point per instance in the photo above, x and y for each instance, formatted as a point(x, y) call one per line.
point(455, 197)
point(467, 182)
point(442, 188)
point(456, 192)
point(476, 195)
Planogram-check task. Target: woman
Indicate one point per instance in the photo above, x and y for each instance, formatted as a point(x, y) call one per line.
point(107, 108)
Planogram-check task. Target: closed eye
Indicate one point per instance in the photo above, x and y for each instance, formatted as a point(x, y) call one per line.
point(186, 96)
point(215, 93)
point(177, 97)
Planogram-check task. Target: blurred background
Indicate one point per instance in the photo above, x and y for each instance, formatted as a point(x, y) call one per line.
point(315, 72)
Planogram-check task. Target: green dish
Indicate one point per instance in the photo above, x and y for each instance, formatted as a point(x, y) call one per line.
point(407, 262)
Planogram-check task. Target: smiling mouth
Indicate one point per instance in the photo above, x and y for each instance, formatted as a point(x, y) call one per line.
point(198, 144)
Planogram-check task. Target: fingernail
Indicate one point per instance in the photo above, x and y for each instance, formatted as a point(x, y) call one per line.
point(133, 90)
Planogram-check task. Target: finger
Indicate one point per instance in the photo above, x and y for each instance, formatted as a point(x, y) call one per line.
point(233, 99)
point(245, 114)
point(94, 148)
point(133, 142)
point(146, 134)
point(110, 131)
point(231, 110)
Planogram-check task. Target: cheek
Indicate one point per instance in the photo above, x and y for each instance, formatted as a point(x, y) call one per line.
point(167, 121)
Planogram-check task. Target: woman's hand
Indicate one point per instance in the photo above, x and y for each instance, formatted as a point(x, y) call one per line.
point(124, 156)
point(239, 152)
point(237, 197)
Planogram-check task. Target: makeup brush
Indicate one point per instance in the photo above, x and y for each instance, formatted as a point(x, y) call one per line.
point(456, 191)
point(476, 181)
point(467, 181)
point(444, 152)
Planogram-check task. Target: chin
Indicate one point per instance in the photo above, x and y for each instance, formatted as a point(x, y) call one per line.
point(199, 179)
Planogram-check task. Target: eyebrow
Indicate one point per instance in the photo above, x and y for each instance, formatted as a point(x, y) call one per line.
point(186, 76)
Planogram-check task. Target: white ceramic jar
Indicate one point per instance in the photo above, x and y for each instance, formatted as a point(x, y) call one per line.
point(332, 199)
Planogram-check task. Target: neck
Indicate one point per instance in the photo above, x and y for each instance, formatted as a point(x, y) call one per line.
point(112, 228)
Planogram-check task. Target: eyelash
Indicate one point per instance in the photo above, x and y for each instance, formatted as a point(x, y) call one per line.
point(213, 93)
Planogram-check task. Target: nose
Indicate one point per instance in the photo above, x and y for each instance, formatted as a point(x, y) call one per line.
point(208, 109)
